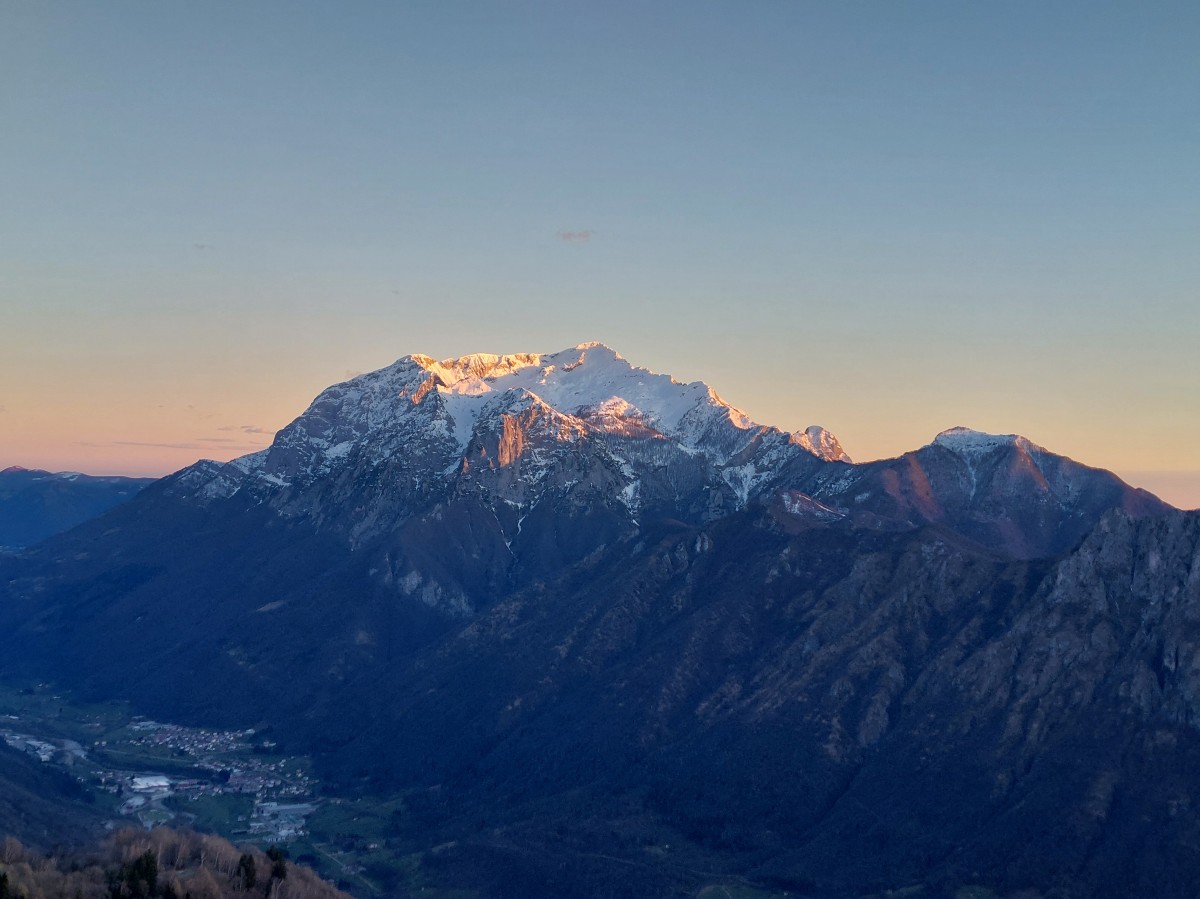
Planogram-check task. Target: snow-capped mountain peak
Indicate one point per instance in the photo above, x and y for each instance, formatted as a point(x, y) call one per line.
point(593, 382)
point(821, 443)
point(419, 418)
point(968, 442)
point(471, 374)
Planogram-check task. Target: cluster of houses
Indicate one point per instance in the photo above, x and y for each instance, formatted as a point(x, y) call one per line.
point(190, 740)
point(271, 821)
point(277, 822)
point(227, 754)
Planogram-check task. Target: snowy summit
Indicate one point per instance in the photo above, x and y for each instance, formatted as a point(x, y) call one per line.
point(446, 413)
point(967, 442)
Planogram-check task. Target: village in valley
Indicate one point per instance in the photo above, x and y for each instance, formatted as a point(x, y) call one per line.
point(232, 782)
point(239, 784)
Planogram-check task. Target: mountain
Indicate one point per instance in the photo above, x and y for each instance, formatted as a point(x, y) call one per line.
point(37, 504)
point(576, 612)
point(516, 430)
point(42, 806)
point(524, 463)
point(1002, 491)
point(829, 712)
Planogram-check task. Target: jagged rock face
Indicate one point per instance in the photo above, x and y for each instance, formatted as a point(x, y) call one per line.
point(1123, 613)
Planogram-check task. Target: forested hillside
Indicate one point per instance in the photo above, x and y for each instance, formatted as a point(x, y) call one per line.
point(172, 864)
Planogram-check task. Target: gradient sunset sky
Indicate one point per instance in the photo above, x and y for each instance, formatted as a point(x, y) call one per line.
point(886, 218)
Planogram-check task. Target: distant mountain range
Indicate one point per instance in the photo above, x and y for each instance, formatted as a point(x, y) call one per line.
point(577, 612)
point(37, 504)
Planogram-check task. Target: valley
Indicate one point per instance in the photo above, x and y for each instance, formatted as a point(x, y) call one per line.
point(232, 784)
point(227, 782)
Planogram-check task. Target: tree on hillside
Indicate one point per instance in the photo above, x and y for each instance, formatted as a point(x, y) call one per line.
point(246, 869)
point(278, 863)
point(162, 864)
point(137, 879)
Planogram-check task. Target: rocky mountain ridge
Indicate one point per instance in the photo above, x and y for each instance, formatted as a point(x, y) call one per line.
point(431, 421)
point(586, 434)
point(574, 624)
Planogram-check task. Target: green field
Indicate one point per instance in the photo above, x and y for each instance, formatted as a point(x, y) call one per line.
point(223, 814)
point(354, 824)
point(132, 758)
point(59, 716)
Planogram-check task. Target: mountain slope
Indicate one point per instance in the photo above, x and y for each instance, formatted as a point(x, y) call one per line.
point(426, 491)
point(837, 712)
point(517, 465)
point(42, 806)
point(37, 504)
point(1002, 491)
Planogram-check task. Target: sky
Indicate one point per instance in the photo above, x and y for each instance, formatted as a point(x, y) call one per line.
point(885, 218)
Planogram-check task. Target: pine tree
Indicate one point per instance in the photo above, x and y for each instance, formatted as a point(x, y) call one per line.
point(278, 863)
point(246, 869)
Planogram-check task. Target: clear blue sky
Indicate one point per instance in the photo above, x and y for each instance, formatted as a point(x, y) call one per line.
point(887, 218)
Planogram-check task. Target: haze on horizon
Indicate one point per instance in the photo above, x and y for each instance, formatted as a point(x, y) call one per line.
point(884, 220)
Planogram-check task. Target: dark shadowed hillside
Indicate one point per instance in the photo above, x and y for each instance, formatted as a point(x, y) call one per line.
point(833, 712)
point(35, 504)
point(41, 806)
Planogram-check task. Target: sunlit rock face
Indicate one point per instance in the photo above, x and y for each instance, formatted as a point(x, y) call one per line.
point(1004, 492)
point(435, 418)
